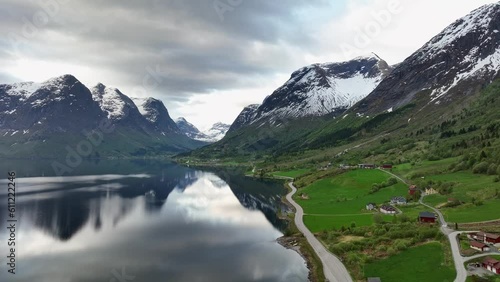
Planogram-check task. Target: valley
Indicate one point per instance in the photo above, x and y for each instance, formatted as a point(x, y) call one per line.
point(392, 170)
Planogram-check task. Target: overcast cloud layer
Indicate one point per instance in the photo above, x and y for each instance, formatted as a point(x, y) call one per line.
point(206, 55)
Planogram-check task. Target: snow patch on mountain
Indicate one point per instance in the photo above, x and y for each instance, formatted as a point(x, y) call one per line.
point(216, 132)
point(481, 66)
point(23, 89)
point(320, 89)
point(142, 104)
point(477, 20)
point(109, 100)
point(139, 103)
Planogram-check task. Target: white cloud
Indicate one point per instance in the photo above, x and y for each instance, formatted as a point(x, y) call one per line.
point(402, 34)
point(205, 110)
point(217, 67)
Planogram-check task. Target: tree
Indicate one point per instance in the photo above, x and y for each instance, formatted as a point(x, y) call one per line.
point(482, 156)
point(378, 219)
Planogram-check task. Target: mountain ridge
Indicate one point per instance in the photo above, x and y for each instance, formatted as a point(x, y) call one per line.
point(36, 119)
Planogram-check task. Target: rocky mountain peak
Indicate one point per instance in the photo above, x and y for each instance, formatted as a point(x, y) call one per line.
point(318, 90)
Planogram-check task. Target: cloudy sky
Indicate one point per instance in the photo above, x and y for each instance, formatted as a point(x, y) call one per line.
point(207, 59)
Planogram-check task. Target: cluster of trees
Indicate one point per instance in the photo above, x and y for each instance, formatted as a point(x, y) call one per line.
point(481, 164)
point(377, 186)
point(462, 131)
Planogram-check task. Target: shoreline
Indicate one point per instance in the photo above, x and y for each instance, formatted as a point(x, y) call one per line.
point(298, 243)
point(294, 243)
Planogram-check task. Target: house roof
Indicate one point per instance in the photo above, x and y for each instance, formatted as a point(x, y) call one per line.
point(427, 215)
point(477, 244)
point(492, 236)
point(374, 279)
point(491, 261)
point(387, 208)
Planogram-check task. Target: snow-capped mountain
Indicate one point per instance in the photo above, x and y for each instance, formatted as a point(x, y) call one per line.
point(114, 103)
point(454, 64)
point(156, 114)
point(189, 129)
point(214, 134)
point(217, 131)
point(245, 117)
point(61, 104)
point(41, 119)
point(318, 90)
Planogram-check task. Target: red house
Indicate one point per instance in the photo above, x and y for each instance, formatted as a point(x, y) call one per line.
point(491, 238)
point(492, 265)
point(427, 217)
point(386, 166)
point(485, 237)
point(412, 190)
point(479, 246)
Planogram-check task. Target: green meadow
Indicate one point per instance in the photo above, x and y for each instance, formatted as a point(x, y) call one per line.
point(421, 263)
point(341, 200)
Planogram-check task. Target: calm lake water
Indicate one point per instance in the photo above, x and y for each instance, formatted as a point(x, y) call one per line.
point(150, 221)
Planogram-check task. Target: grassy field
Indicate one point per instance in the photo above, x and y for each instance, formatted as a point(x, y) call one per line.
point(318, 223)
point(477, 192)
point(468, 187)
point(412, 211)
point(291, 173)
point(411, 170)
point(422, 263)
point(341, 200)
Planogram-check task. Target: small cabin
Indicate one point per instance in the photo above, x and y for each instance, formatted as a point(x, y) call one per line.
point(371, 206)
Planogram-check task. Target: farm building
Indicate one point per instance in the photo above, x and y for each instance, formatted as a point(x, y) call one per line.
point(388, 209)
point(430, 191)
point(492, 265)
point(367, 166)
point(485, 237)
point(386, 166)
point(371, 206)
point(398, 200)
point(479, 246)
point(428, 217)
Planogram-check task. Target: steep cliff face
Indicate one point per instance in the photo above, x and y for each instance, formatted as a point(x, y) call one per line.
point(246, 116)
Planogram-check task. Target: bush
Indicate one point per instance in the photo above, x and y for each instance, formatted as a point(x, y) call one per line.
point(481, 168)
point(461, 166)
point(378, 219)
point(492, 169)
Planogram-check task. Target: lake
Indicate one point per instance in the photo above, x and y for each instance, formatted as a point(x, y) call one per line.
point(144, 220)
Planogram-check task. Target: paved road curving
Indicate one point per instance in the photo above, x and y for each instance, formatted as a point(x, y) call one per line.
point(333, 268)
point(394, 175)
